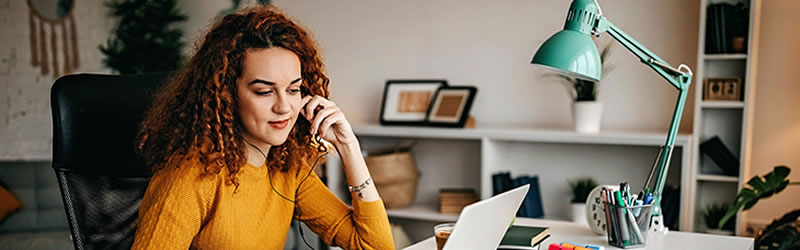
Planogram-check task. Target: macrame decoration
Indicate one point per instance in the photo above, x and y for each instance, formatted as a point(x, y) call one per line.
point(44, 37)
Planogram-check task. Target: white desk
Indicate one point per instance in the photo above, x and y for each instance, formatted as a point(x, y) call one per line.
point(567, 231)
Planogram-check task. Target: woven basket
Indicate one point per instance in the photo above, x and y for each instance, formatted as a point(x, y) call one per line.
point(395, 176)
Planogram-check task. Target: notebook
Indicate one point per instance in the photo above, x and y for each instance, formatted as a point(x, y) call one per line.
point(524, 237)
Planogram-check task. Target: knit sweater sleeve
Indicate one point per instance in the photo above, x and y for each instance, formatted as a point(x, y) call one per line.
point(173, 208)
point(365, 226)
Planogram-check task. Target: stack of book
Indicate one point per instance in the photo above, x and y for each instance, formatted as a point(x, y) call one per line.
point(725, 21)
point(453, 200)
point(524, 237)
point(532, 204)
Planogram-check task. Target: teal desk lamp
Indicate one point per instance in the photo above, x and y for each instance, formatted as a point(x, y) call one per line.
point(572, 52)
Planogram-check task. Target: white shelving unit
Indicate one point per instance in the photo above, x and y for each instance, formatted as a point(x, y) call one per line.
point(724, 56)
point(730, 120)
point(467, 158)
point(717, 178)
point(722, 104)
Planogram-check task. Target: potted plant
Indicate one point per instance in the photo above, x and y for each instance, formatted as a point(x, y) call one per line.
point(586, 110)
point(581, 188)
point(713, 214)
point(783, 233)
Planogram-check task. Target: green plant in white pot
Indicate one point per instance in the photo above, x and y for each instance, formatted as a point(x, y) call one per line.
point(581, 188)
point(713, 215)
point(587, 112)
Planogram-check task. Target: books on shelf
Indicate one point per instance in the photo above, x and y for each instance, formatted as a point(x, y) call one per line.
point(524, 237)
point(721, 155)
point(453, 200)
point(724, 23)
point(532, 204)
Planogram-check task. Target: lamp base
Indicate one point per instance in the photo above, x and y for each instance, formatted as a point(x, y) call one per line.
point(657, 224)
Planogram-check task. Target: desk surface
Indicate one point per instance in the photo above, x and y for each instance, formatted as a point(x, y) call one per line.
point(567, 231)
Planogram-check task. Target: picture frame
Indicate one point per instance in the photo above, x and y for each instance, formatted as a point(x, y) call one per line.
point(722, 89)
point(406, 102)
point(451, 106)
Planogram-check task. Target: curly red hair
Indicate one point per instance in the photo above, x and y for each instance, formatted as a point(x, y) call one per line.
point(196, 114)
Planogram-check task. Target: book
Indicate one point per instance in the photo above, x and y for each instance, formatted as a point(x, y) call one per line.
point(453, 200)
point(721, 155)
point(501, 182)
point(532, 204)
point(524, 237)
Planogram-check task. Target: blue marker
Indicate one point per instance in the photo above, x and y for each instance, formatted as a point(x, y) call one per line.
point(637, 211)
point(648, 198)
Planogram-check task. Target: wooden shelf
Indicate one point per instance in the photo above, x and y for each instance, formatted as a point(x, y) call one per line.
point(725, 56)
point(522, 134)
point(421, 212)
point(722, 104)
point(717, 178)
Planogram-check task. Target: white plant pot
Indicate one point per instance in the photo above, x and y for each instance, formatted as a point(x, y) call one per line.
point(579, 213)
point(587, 116)
point(720, 232)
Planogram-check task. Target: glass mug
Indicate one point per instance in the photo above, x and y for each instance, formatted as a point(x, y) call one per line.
point(442, 232)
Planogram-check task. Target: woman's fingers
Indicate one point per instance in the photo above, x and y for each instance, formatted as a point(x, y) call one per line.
point(303, 103)
point(320, 117)
point(312, 105)
point(332, 119)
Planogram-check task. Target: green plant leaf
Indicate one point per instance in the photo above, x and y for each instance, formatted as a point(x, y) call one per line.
point(784, 236)
point(758, 188)
point(786, 218)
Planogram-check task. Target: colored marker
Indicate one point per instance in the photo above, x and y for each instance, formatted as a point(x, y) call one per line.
point(623, 226)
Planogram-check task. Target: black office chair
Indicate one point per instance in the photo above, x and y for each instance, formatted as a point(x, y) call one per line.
point(102, 180)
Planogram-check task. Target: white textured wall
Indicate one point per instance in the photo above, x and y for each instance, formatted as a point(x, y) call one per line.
point(489, 44)
point(776, 125)
point(25, 121)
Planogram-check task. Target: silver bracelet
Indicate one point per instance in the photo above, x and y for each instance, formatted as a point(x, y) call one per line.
point(360, 187)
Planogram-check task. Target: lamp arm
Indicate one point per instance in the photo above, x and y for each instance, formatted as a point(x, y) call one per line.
point(669, 73)
point(677, 78)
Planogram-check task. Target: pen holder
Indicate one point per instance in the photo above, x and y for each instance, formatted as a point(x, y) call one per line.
point(628, 226)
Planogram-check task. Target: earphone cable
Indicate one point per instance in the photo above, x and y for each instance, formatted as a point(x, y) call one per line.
point(294, 202)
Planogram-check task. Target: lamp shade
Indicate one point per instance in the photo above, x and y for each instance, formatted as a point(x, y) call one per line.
point(572, 51)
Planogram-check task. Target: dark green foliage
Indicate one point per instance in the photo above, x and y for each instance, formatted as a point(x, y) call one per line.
point(144, 40)
point(783, 233)
point(758, 188)
point(581, 189)
point(714, 214)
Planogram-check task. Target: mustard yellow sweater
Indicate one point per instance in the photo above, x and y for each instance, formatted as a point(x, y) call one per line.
point(182, 209)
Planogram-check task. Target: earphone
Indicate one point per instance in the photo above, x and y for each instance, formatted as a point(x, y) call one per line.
point(294, 202)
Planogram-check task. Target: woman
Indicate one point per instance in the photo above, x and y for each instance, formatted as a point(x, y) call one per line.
point(233, 139)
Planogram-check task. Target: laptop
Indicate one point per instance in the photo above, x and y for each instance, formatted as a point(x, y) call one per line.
point(482, 224)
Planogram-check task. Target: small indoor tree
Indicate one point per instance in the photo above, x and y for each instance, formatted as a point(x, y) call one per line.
point(145, 39)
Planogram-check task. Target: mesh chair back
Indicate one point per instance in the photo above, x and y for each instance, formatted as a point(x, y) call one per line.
point(102, 180)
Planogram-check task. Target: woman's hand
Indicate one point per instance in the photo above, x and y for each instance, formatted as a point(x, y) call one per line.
point(327, 121)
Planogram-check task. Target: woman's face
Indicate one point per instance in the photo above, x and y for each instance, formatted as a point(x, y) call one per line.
point(269, 95)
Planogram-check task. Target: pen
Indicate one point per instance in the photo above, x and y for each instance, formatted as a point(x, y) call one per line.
point(637, 211)
point(623, 226)
point(609, 220)
point(628, 192)
point(635, 225)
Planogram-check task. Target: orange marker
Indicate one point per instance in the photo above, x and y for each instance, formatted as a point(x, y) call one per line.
point(572, 247)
